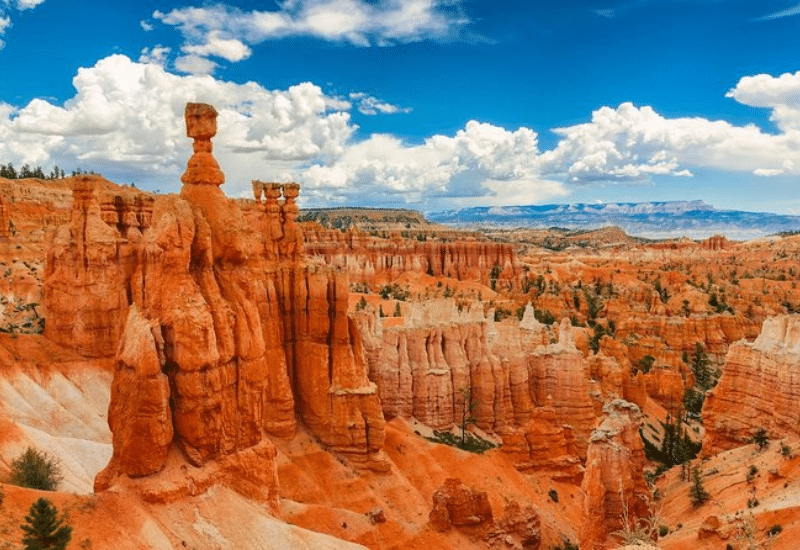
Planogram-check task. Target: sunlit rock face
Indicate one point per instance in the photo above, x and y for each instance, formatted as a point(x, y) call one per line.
point(759, 388)
point(531, 393)
point(614, 487)
point(377, 260)
point(223, 333)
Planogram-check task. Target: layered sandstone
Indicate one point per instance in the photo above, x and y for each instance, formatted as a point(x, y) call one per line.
point(557, 378)
point(377, 260)
point(759, 388)
point(615, 491)
point(439, 355)
point(532, 393)
point(225, 330)
point(456, 505)
point(86, 291)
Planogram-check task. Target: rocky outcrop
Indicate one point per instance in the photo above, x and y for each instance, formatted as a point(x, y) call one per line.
point(658, 335)
point(557, 378)
point(376, 260)
point(544, 443)
point(614, 487)
point(518, 527)
point(86, 294)
point(5, 218)
point(227, 334)
point(759, 388)
point(456, 505)
point(533, 394)
point(426, 367)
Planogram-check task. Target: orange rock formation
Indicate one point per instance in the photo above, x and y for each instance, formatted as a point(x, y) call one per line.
point(373, 259)
point(614, 488)
point(455, 505)
point(759, 388)
point(221, 329)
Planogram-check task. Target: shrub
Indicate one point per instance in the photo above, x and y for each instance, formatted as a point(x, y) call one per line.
point(43, 529)
point(663, 530)
point(35, 470)
point(646, 363)
point(470, 442)
point(760, 438)
point(553, 494)
point(774, 530)
point(786, 450)
point(546, 317)
point(751, 473)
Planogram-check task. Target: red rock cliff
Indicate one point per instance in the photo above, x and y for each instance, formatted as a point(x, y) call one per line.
point(373, 259)
point(614, 487)
point(535, 395)
point(85, 278)
point(229, 333)
point(759, 388)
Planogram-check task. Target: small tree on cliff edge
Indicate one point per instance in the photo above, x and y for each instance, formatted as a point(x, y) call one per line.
point(468, 405)
point(43, 529)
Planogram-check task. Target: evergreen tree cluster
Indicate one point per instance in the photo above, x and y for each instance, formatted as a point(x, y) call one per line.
point(9, 172)
point(705, 376)
point(676, 447)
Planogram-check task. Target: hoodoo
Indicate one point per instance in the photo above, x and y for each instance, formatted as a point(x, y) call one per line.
point(223, 332)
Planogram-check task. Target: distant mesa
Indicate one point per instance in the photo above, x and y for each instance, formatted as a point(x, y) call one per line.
point(658, 220)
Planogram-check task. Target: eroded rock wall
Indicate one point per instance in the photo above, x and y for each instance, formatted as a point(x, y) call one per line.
point(85, 286)
point(614, 488)
point(532, 393)
point(759, 388)
point(376, 260)
point(223, 332)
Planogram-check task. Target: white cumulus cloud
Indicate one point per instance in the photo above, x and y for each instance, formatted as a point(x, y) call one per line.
point(5, 22)
point(781, 94)
point(157, 55)
point(194, 64)
point(230, 49)
point(126, 121)
point(368, 105)
point(632, 143)
point(481, 164)
point(28, 4)
point(227, 32)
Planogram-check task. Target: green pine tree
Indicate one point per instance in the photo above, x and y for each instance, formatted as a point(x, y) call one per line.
point(43, 529)
point(697, 492)
point(701, 366)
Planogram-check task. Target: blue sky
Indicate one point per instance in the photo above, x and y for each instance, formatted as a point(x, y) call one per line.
point(429, 104)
